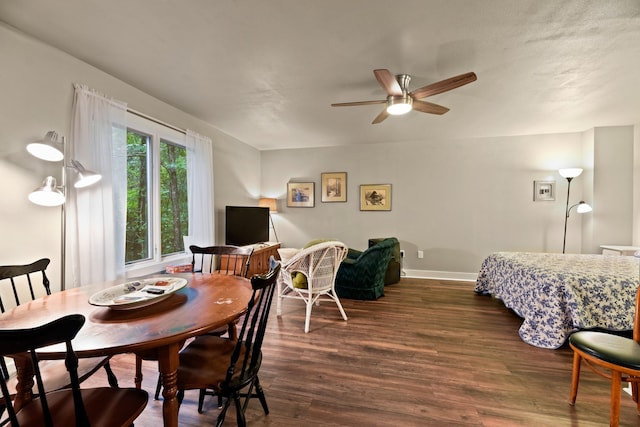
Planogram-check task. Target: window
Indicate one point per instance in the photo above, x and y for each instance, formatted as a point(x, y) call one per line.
point(157, 211)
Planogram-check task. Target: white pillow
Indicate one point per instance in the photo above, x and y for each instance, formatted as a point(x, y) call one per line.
point(287, 253)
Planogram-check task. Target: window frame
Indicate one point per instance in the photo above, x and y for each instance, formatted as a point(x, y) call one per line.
point(157, 132)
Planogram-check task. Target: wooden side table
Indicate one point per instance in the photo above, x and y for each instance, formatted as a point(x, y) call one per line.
point(259, 262)
point(260, 258)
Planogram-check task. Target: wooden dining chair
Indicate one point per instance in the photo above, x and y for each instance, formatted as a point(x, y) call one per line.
point(98, 407)
point(611, 356)
point(230, 368)
point(19, 283)
point(226, 259)
point(221, 259)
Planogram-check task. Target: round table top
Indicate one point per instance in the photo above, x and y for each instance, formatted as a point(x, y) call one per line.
point(208, 301)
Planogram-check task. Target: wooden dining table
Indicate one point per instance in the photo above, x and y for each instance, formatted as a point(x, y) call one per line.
point(207, 302)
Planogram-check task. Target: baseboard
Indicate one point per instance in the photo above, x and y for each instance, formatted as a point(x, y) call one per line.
point(440, 275)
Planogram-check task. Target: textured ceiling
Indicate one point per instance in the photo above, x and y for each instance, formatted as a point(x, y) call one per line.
point(266, 71)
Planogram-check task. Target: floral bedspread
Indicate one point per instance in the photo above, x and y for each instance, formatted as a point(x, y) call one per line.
point(557, 294)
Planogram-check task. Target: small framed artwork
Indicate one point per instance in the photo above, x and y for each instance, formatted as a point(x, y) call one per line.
point(300, 194)
point(544, 191)
point(334, 187)
point(375, 197)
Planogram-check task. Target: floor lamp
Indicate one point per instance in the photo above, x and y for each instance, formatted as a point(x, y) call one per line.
point(267, 202)
point(582, 207)
point(51, 194)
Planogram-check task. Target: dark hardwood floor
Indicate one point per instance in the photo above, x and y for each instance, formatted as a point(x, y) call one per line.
point(428, 353)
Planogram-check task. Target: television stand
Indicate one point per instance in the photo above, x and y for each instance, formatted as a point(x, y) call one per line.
point(259, 262)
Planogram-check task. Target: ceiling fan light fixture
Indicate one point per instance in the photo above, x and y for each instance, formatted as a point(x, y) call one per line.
point(398, 105)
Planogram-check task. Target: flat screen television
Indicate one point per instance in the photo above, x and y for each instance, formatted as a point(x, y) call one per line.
point(246, 225)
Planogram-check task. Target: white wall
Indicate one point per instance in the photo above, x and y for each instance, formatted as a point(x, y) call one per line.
point(612, 197)
point(457, 200)
point(36, 83)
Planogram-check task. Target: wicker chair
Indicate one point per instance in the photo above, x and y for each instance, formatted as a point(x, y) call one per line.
point(310, 275)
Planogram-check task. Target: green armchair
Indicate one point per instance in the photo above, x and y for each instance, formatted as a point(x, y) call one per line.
point(395, 263)
point(362, 274)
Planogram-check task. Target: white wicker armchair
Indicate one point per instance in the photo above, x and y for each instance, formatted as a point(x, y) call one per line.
point(319, 264)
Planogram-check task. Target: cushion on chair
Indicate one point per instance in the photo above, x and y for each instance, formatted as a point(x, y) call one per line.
point(608, 347)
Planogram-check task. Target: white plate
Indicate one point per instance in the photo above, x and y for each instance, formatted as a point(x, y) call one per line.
point(137, 293)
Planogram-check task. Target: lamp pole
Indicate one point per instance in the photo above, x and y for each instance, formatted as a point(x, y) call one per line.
point(63, 220)
point(566, 216)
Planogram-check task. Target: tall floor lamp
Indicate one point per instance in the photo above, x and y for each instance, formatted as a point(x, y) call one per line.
point(582, 207)
point(267, 202)
point(49, 193)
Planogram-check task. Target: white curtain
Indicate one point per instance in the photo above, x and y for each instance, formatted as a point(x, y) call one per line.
point(96, 215)
point(200, 190)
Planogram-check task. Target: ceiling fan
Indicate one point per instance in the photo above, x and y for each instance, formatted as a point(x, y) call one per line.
point(401, 101)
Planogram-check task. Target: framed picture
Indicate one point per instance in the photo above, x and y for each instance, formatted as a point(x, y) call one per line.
point(300, 194)
point(544, 191)
point(334, 187)
point(375, 197)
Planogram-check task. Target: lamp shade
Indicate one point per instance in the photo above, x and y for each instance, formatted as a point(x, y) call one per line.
point(570, 172)
point(48, 194)
point(583, 207)
point(85, 177)
point(267, 202)
point(48, 149)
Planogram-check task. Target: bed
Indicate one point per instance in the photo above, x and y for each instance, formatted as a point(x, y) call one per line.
point(557, 294)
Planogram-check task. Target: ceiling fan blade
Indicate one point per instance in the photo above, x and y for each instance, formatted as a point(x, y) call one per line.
point(380, 117)
point(443, 86)
point(351, 104)
point(428, 107)
point(388, 82)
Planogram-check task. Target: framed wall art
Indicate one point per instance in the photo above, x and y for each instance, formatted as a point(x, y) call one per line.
point(300, 194)
point(334, 187)
point(375, 197)
point(544, 191)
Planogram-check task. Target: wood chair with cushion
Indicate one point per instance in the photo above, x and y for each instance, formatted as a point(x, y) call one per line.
point(310, 275)
point(230, 368)
point(611, 356)
point(19, 283)
point(224, 259)
point(98, 407)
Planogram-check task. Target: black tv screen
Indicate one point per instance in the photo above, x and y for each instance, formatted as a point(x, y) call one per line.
point(246, 225)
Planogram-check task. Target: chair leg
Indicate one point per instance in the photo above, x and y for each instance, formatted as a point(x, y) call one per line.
point(111, 377)
point(344, 315)
point(223, 413)
point(201, 400)
point(634, 393)
point(261, 396)
point(616, 385)
point(3, 368)
point(138, 375)
point(279, 299)
point(242, 422)
point(575, 377)
point(156, 395)
point(307, 319)
point(232, 331)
